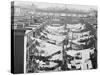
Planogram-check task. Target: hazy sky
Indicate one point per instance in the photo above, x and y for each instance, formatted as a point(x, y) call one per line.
point(45, 5)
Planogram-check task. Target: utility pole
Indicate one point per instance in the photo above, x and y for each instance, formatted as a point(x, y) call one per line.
point(64, 49)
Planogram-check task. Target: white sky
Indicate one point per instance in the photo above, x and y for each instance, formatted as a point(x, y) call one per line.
point(45, 5)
